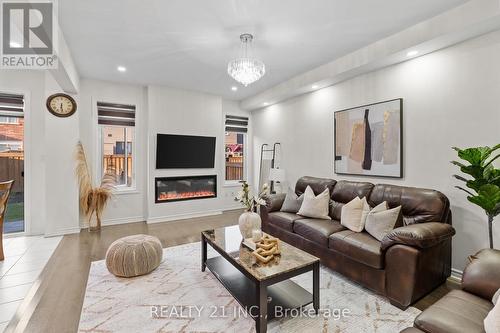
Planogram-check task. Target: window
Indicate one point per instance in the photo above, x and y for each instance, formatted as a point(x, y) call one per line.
point(235, 148)
point(9, 120)
point(117, 126)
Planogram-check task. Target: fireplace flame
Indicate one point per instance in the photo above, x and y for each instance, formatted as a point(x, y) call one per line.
point(165, 196)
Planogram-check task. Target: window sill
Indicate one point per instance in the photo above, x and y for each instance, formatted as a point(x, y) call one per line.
point(126, 191)
point(237, 184)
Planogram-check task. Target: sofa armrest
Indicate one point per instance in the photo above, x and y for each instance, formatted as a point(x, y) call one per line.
point(481, 277)
point(421, 235)
point(274, 201)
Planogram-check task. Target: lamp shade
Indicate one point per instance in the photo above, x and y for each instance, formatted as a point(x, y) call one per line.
point(277, 175)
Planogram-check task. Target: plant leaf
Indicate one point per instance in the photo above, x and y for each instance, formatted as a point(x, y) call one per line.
point(488, 198)
point(475, 156)
point(466, 191)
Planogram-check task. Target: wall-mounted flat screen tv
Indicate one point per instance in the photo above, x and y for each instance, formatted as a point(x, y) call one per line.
point(184, 151)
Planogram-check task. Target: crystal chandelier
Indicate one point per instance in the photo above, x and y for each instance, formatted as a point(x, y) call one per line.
point(246, 70)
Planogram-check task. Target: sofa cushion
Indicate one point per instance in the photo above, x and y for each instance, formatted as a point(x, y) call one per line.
point(457, 312)
point(343, 192)
point(418, 205)
point(283, 220)
point(317, 230)
point(359, 246)
point(318, 185)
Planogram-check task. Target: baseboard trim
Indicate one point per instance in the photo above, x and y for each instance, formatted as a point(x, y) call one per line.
point(123, 220)
point(170, 218)
point(62, 232)
point(456, 275)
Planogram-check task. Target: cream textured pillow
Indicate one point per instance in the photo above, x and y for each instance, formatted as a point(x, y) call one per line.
point(381, 221)
point(492, 320)
point(315, 206)
point(495, 297)
point(354, 213)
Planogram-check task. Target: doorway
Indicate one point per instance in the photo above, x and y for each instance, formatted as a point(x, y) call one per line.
point(12, 159)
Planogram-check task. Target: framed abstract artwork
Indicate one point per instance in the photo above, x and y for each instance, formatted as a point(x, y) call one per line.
point(369, 140)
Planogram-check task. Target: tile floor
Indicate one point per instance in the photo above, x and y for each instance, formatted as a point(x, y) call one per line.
point(25, 257)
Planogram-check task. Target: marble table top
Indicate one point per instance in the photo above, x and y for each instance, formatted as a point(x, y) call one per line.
point(229, 240)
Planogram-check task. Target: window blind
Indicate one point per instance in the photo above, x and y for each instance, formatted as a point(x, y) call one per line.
point(236, 124)
point(11, 105)
point(115, 114)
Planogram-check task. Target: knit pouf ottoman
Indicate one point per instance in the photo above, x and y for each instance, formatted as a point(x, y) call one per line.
point(134, 255)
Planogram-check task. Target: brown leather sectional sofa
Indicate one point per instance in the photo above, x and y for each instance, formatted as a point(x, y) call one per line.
point(409, 262)
point(464, 310)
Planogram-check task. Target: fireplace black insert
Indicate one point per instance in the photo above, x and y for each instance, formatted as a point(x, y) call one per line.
point(170, 189)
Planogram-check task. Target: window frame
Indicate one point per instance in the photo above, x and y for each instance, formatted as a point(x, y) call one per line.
point(7, 122)
point(229, 183)
point(122, 188)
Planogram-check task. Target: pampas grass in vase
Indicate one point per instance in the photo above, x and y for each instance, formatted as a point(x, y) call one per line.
point(93, 200)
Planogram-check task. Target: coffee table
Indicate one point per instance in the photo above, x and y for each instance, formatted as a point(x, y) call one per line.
point(263, 290)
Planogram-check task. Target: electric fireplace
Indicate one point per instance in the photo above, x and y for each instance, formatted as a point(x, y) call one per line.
point(170, 189)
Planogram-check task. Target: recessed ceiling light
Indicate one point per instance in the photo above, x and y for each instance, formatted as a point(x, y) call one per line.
point(412, 53)
point(14, 44)
point(121, 69)
point(266, 103)
point(234, 88)
point(314, 86)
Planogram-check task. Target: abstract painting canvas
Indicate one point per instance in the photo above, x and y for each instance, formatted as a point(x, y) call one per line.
point(368, 140)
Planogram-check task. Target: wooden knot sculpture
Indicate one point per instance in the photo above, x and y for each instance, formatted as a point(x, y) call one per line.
point(267, 248)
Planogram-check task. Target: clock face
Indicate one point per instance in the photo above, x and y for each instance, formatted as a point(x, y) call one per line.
point(61, 105)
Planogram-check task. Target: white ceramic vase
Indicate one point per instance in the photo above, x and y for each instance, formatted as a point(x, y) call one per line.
point(248, 222)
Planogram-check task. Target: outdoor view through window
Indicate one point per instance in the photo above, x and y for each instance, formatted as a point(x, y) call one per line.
point(12, 168)
point(234, 151)
point(117, 143)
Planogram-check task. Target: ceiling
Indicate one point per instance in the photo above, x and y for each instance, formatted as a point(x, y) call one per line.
point(188, 43)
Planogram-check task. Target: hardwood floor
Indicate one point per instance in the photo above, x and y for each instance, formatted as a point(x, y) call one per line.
point(54, 303)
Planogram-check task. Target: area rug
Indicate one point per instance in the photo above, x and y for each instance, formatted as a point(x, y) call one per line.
point(178, 297)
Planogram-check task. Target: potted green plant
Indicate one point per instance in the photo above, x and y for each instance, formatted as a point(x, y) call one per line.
point(250, 220)
point(484, 181)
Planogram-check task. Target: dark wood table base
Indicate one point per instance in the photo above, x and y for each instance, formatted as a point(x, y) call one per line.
point(262, 299)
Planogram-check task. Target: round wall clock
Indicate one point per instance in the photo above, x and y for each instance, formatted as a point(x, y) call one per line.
point(61, 105)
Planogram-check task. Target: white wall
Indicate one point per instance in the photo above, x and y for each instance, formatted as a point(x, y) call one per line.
point(451, 98)
point(50, 195)
point(175, 111)
point(61, 186)
point(127, 206)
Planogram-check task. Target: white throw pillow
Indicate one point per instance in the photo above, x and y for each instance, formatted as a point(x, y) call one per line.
point(492, 320)
point(315, 206)
point(381, 221)
point(354, 213)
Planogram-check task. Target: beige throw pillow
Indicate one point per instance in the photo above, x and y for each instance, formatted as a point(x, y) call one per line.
point(381, 221)
point(354, 213)
point(492, 320)
point(315, 206)
point(495, 297)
